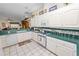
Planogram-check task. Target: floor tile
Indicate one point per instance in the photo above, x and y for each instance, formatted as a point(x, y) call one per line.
point(30, 49)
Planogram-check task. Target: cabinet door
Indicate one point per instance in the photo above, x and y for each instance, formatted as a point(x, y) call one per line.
point(32, 35)
point(27, 36)
point(20, 37)
point(35, 37)
point(51, 44)
point(61, 48)
point(69, 16)
point(3, 41)
point(67, 47)
point(11, 39)
point(65, 51)
point(64, 48)
point(24, 36)
point(1, 50)
point(41, 40)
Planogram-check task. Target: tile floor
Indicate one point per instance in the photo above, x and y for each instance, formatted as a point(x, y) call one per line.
point(30, 49)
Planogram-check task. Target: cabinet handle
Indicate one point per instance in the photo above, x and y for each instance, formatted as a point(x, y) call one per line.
point(40, 39)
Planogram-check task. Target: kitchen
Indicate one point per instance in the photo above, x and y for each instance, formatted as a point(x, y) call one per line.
point(39, 29)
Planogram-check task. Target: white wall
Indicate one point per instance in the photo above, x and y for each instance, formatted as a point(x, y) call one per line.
point(3, 20)
point(15, 26)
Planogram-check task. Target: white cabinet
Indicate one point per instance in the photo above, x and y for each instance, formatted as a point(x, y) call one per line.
point(65, 48)
point(42, 39)
point(3, 41)
point(24, 36)
point(38, 38)
point(39, 21)
point(34, 36)
point(63, 17)
point(61, 48)
point(65, 51)
point(70, 18)
point(1, 50)
point(27, 35)
point(11, 39)
point(8, 40)
point(51, 44)
point(36, 21)
point(32, 22)
point(21, 37)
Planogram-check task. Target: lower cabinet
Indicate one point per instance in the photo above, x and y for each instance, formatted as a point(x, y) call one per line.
point(42, 39)
point(51, 44)
point(35, 36)
point(61, 48)
point(1, 50)
point(8, 40)
point(65, 51)
point(3, 41)
point(24, 36)
point(11, 39)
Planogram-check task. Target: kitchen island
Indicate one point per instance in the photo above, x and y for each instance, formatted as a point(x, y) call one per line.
point(12, 37)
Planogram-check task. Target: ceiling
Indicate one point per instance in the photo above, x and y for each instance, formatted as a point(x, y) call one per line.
point(18, 10)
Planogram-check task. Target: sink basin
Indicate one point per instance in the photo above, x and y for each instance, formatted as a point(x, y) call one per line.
point(21, 31)
point(9, 32)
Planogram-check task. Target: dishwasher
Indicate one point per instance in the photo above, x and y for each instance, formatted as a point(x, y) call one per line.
point(42, 39)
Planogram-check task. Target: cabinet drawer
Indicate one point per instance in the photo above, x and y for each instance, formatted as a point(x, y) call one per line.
point(70, 45)
point(66, 44)
point(23, 36)
point(51, 47)
point(51, 40)
point(65, 51)
point(1, 50)
point(61, 47)
point(11, 39)
point(3, 41)
point(35, 36)
point(51, 44)
point(20, 39)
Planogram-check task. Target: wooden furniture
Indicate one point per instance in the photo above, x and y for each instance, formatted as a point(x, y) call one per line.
point(25, 23)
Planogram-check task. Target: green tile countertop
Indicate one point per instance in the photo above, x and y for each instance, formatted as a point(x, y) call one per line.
point(13, 31)
point(69, 37)
point(60, 28)
point(64, 38)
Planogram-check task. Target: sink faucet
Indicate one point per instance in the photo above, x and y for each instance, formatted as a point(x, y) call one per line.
point(8, 31)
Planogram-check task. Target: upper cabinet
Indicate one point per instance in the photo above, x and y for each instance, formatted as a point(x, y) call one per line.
point(35, 22)
point(39, 21)
point(70, 18)
point(62, 17)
